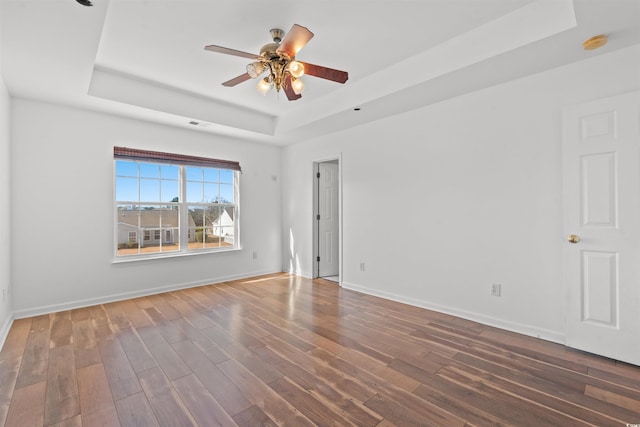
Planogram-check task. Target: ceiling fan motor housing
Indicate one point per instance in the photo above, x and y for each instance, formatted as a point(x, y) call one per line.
point(277, 34)
point(276, 62)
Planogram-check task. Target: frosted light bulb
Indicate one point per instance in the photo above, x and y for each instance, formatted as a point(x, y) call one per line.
point(296, 69)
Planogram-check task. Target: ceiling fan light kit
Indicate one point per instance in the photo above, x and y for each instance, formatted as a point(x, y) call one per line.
point(278, 61)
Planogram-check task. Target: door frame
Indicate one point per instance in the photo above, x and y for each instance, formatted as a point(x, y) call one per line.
point(314, 221)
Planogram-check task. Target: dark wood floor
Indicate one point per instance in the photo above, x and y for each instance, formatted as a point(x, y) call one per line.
point(282, 350)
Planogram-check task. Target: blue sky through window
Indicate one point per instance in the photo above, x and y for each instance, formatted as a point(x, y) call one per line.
point(150, 182)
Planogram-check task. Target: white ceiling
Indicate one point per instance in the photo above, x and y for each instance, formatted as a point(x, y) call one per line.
point(146, 59)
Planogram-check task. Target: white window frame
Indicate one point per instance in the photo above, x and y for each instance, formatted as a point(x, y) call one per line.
point(183, 227)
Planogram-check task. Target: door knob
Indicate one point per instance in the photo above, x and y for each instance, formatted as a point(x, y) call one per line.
point(573, 238)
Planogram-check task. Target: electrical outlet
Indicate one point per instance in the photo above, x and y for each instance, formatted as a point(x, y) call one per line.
point(255, 255)
point(362, 266)
point(496, 289)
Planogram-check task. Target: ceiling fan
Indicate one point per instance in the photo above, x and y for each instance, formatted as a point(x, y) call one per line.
point(278, 61)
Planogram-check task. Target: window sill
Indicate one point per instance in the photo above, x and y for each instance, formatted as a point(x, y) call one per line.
point(161, 257)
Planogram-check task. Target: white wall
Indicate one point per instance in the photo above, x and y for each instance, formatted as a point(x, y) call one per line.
point(5, 217)
point(474, 183)
point(62, 206)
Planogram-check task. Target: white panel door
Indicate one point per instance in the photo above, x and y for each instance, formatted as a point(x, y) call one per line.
point(601, 172)
point(328, 224)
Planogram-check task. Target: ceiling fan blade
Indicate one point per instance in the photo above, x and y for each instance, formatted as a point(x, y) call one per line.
point(325, 73)
point(237, 80)
point(226, 50)
point(294, 40)
point(288, 90)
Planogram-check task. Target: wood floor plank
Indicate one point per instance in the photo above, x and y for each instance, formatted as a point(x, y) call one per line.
point(117, 319)
point(85, 343)
point(27, 406)
point(556, 395)
point(16, 339)
point(41, 323)
point(9, 369)
point(165, 403)
point(623, 400)
point(226, 393)
point(98, 314)
point(94, 390)
point(164, 308)
point(121, 376)
point(80, 314)
point(138, 354)
point(621, 379)
point(204, 408)
point(136, 315)
point(69, 422)
point(310, 407)
point(35, 360)
point(252, 417)
point(331, 390)
point(61, 329)
point(400, 415)
point(62, 400)
point(280, 350)
point(504, 404)
point(105, 417)
point(260, 394)
point(166, 357)
point(355, 358)
point(135, 411)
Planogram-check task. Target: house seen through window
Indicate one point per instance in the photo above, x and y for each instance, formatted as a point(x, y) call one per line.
point(167, 203)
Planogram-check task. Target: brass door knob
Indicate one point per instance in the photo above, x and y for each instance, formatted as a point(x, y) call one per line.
point(573, 238)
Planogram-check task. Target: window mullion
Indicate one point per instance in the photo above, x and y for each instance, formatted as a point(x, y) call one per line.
point(184, 212)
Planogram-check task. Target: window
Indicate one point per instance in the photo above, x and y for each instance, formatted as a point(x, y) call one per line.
point(191, 201)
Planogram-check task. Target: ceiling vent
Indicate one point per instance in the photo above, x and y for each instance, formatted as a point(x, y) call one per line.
point(199, 124)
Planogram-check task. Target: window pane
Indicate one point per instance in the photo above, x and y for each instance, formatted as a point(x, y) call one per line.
point(196, 228)
point(226, 176)
point(224, 227)
point(149, 170)
point(226, 193)
point(169, 191)
point(149, 190)
point(128, 230)
point(170, 226)
point(194, 192)
point(127, 189)
point(124, 168)
point(169, 172)
point(159, 227)
point(211, 193)
point(194, 174)
point(211, 175)
point(226, 237)
point(211, 214)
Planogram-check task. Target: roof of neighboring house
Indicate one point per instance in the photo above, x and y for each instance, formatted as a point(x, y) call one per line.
point(228, 210)
point(150, 218)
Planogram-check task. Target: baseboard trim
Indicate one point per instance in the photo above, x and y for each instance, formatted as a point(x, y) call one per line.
point(545, 334)
point(37, 311)
point(4, 331)
point(302, 274)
